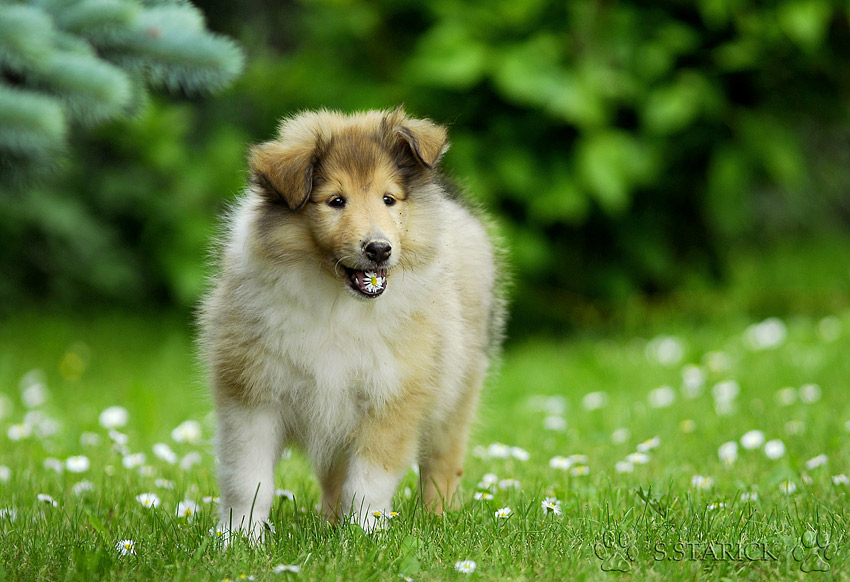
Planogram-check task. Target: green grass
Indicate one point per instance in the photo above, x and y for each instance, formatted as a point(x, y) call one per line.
point(652, 522)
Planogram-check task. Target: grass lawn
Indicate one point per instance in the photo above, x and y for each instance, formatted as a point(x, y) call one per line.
point(675, 447)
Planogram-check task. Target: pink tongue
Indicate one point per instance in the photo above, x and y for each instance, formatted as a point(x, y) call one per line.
point(371, 282)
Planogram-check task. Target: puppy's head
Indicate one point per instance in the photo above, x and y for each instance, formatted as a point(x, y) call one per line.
point(352, 183)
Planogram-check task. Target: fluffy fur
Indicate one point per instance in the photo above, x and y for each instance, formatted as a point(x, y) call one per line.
point(297, 353)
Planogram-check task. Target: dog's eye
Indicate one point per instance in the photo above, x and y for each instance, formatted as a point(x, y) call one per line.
point(389, 200)
point(336, 202)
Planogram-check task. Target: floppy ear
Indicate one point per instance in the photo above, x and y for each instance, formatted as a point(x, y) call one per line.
point(284, 172)
point(424, 140)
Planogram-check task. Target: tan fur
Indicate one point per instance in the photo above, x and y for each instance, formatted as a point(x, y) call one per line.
point(366, 385)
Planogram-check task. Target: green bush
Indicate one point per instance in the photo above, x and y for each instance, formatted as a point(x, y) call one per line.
point(624, 146)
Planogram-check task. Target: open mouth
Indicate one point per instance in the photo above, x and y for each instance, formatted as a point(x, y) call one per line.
point(369, 283)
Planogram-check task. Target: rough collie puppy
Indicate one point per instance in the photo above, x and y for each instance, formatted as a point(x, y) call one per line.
point(352, 314)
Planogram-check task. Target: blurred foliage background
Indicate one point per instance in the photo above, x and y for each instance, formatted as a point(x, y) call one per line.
point(626, 147)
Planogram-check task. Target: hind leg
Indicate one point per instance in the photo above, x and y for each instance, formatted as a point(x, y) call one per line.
point(441, 463)
point(331, 479)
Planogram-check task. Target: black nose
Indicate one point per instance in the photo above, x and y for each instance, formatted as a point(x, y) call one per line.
point(378, 250)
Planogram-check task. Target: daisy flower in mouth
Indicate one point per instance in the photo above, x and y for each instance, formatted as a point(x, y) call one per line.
point(373, 282)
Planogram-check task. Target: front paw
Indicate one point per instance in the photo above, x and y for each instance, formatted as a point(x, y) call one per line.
point(255, 532)
point(372, 520)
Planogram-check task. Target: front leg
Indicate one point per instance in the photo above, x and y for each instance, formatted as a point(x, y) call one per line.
point(384, 447)
point(249, 442)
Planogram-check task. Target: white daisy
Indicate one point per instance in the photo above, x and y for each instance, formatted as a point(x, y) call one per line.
point(187, 432)
point(726, 391)
point(503, 512)
point(786, 396)
point(5, 473)
point(281, 568)
point(133, 461)
point(728, 453)
point(488, 480)
point(126, 547)
point(220, 532)
point(47, 499)
point(82, 488)
point(560, 462)
point(637, 458)
point(77, 464)
point(164, 452)
point(551, 505)
point(752, 439)
point(148, 500)
point(34, 396)
point(774, 449)
point(19, 432)
point(795, 426)
point(89, 439)
point(693, 380)
point(841, 479)
point(119, 438)
point(114, 417)
point(482, 496)
point(810, 393)
point(505, 484)
point(787, 487)
point(187, 509)
point(164, 484)
point(284, 493)
point(580, 471)
point(53, 464)
point(768, 334)
point(749, 496)
point(9, 513)
point(190, 460)
point(499, 451)
point(373, 282)
point(649, 444)
point(42, 425)
point(594, 400)
point(815, 462)
point(620, 435)
point(717, 362)
point(520, 454)
point(466, 566)
point(624, 467)
point(661, 397)
point(702, 482)
point(556, 423)
point(716, 505)
point(829, 328)
point(665, 350)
